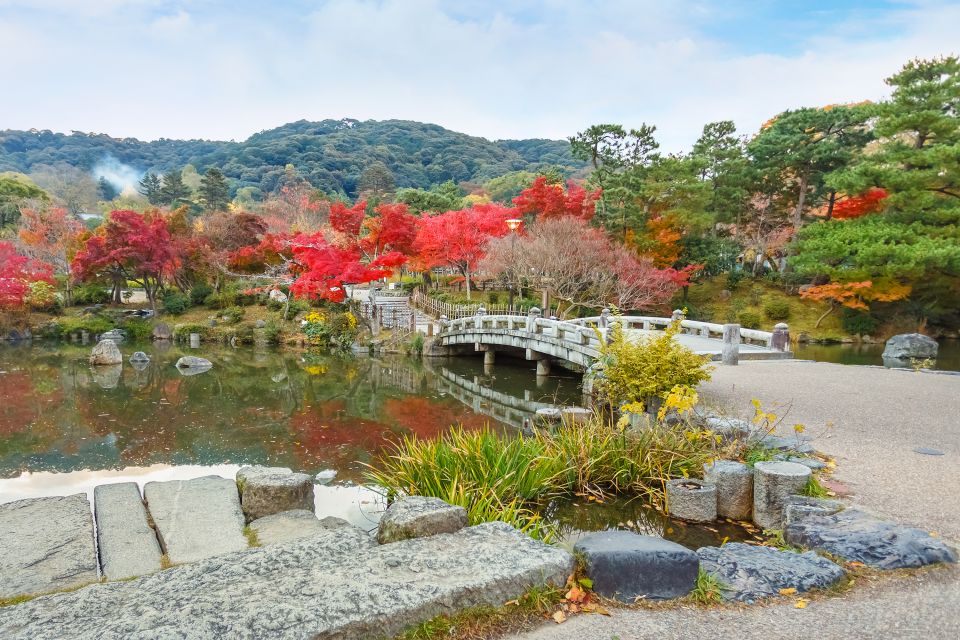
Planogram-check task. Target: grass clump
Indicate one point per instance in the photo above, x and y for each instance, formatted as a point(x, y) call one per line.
point(813, 488)
point(709, 589)
point(509, 478)
point(252, 539)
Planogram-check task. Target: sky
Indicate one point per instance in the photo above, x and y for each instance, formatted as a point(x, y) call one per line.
point(499, 69)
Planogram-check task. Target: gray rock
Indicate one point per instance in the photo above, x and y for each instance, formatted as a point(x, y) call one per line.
point(193, 362)
point(277, 296)
point(106, 352)
point(734, 482)
point(811, 463)
point(46, 544)
point(326, 476)
point(729, 429)
point(139, 356)
point(260, 324)
point(330, 585)
point(196, 519)
point(547, 415)
point(419, 516)
point(750, 572)
point(693, 500)
point(797, 508)
point(575, 415)
point(296, 524)
point(855, 536)
point(162, 331)
point(117, 335)
point(784, 443)
point(128, 546)
point(107, 376)
point(268, 490)
point(773, 483)
point(906, 346)
point(628, 566)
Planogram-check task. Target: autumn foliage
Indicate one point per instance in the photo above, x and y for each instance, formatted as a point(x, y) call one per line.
point(859, 206)
point(545, 200)
point(17, 272)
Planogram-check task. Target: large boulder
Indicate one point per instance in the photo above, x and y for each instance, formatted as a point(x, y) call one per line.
point(628, 566)
point(162, 331)
point(106, 352)
point(750, 572)
point(268, 490)
point(277, 296)
point(856, 536)
point(906, 346)
point(418, 517)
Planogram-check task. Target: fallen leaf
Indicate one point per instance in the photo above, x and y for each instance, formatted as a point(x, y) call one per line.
point(559, 617)
point(512, 602)
point(575, 594)
point(801, 604)
point(788, 592)
point(934, 534)
point(586, 583)
point(593, 607)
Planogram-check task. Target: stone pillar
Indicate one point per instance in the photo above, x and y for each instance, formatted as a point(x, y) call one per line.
point(543, 367)
point(773, 484)
point(731, 344)
point(481, 310)
point(604, 318)
point(444, 321)
point(84, 337)
point(734, 481)
point(194, 340)
point(430, 329)
point(676, 315)
point(693, 500)
point(781, 337)
point(374, 322)
point(489, 356)
point(532, 316)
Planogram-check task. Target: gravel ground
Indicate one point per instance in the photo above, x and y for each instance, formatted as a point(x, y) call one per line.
point(870, 419)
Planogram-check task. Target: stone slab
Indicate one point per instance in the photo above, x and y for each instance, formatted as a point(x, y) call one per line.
point(46, 544)
point(750, 572)
point(265, 491)
point(326, 586)
point(628, 566)
point(126, 543)
point(196, 519)
point(419, 516)
point(293, 525)
point(856, 536)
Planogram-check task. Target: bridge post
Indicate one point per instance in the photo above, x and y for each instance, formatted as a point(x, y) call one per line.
point(676, 315)
point(532, 317)
point(780, 340)
point(543, 367)
point(489, 357)
point(444, 320)
point(731, 344)
point(604, 318)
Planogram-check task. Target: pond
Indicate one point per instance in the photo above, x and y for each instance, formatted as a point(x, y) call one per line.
point(66, 427)
point(948, 356)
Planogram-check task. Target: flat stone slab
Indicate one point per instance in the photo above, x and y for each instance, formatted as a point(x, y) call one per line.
point(419, 516)
point(856, 536)
point(752, 572)
point(127, 544)
point(628, 566)
point(196, 519)
point(330, 585)
point(268, 490)
point(293, 525)
point(46, 544)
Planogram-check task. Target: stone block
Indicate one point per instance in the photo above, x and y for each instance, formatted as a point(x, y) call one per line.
point(734, 482)
point(419, 516)
point(268, 490)
point(46, 544)
point(773, 483)
point(796, 508)
point(196, 519)
point(106, 352)
point(331, 585)
point(628, 566)
point(751, 572)
point(693, 500)
point(296, 524)
point(575, 415)
point(127, 544)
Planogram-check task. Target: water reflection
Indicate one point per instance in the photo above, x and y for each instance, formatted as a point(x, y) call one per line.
point(948, 355)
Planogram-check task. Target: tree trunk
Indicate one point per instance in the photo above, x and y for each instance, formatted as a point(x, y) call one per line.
point(825, 314)
point(466, 274)
point(798, 212)
point(832, 201)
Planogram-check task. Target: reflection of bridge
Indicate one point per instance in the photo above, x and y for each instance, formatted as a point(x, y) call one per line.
point(578, 342)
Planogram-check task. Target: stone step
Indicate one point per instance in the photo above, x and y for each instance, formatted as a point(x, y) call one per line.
point(127, 544)
point(196, 519)
point(46, 544)
point(330, 585)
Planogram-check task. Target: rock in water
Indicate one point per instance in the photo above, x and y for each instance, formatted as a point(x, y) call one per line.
point(907, 346)
point(107, 376)
point(139, 356)
point(853, 535)
point(751, 572)
point(128, 546)
point(419, 516)
point(329, 585)
point(627, 566)
point(46, 544)
point(268, 490)
point(106, 352)
point(192, 365)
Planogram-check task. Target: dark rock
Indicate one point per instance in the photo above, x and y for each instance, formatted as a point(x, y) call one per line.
point(628, 566)
point(910, 345)
point(418, 517)
point(796, 508)
point(750, 572)
point(856, 536)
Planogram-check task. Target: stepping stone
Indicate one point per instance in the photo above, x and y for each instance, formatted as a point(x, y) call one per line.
point(196, 519)
point(128, 546)
point(46, 544)
point(293, 525)
point(734, 482)
point(751, 572)
point(628, 566)
point(797, 508)
point(419, 516)
point(268, 490)
point(331, 585)
point(855, 536)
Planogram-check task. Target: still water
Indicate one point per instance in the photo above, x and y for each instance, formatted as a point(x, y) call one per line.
point(66, 427)
point(948, 355)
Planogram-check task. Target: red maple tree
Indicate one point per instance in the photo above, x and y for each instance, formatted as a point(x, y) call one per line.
point(17, 272)
point(545, 200)
point(859, 206)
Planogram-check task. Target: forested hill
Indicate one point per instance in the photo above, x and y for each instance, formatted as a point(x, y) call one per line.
point(331, 154)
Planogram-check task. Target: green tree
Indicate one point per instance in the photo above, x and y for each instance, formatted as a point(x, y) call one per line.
point(150, 187)
point(16, 190)
point(173, 190)
point(720, 158)
point(106, 189)
point(214, 191)
point(376, 182)
point(446, 196)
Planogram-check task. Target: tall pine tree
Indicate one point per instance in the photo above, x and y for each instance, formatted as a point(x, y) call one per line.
point(214, 191)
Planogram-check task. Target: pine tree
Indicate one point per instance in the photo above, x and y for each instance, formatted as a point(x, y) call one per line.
point(214, 191)
point(106, 189)
point(150, 186)
point(173, 189)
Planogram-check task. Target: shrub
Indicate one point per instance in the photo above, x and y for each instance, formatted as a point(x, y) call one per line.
point(749, 319)
point(92, 324)
point(183, 331)
point(733, 279)
point(777, 310)
point(271, 332)
point(493, 297)
point(174, 302)
point(43, 297)
point(648, 368)
point(221, 300)
point(859, 323)
point(87, 294)
point(199, 293)
point(233, 315)
point(138, 329)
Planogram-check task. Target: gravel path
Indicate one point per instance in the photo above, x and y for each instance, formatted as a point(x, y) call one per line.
point(870, 419)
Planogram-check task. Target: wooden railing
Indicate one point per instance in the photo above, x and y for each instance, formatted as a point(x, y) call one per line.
point(436, 308)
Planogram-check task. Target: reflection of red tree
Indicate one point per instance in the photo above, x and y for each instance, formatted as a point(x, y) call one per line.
point(427, 418)
point(20, 406)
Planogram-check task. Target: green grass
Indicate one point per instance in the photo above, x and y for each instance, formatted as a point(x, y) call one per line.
point(813, 488)
point(756, 452)
point(251, 536)
point(709, 589)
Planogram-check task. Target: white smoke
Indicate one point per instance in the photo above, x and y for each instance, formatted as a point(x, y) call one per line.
point(122, 176)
